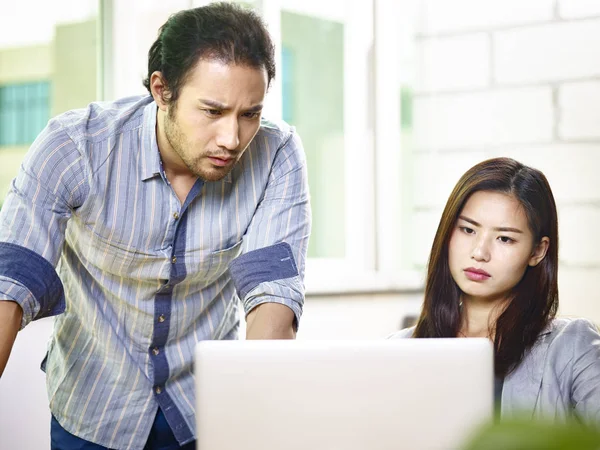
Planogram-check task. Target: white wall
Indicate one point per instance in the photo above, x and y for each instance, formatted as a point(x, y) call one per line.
point(518, 79)
point(24, 413)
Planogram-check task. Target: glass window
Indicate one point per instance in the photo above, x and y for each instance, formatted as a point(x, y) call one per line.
point(312, 72)
point(48, 65)
point(24, 111)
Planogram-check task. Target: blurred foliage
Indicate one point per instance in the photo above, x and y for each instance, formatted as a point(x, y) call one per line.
point(525, 434)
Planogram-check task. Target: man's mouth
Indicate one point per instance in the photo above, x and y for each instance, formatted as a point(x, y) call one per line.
point(220, 161)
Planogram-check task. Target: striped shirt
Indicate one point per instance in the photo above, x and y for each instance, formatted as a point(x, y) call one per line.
point(92, 231)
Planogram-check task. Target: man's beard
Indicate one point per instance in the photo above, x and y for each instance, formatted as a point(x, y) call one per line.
point(179, 144)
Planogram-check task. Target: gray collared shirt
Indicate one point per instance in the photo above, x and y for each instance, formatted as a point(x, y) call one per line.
point(559, 377)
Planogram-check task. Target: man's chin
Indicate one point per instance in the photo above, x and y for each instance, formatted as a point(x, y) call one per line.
point(213, 174)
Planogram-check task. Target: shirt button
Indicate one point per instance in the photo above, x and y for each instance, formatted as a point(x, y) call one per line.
point(175, 215)
point(155, 351)
point(161, 318)
point(174, 259)
point(157, 389)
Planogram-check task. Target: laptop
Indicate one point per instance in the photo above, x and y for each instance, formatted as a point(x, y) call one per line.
point(342, 395)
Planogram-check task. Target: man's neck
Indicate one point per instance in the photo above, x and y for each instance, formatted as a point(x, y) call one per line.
point(179, 176)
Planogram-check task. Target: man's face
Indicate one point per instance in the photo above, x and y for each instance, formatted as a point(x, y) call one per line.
point(216, 116)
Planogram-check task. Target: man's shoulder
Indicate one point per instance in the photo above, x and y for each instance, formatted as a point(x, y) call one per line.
point(275, 132)
point(101, 120)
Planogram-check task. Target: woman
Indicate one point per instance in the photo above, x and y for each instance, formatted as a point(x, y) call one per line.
point(492, 273)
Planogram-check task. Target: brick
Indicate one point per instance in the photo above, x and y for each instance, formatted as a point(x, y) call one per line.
point(572, 9)
point(578, 228)
point(579, 293)
point(439, 16)
point(474, 120)
point(579, 110)
point(461, 62)
point(560, 51)
point(435, 175)
point(571, 169)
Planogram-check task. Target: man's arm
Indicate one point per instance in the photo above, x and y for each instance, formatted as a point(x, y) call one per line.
point(270, 321)
point(269, 275)
point(50, 184)
point(10, 322)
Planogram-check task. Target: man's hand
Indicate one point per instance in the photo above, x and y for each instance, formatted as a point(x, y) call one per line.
point(270, 321)
point(10, 322)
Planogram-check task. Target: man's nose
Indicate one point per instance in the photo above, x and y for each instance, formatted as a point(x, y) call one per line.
point(228, 136)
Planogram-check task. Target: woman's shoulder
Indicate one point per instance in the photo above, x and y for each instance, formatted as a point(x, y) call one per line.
point(404, 333)
point(570, 328)
point(572, 336)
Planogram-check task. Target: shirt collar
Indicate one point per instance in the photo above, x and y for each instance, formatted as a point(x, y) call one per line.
point(149, 151)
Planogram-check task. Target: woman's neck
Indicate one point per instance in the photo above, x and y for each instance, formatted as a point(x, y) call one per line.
point(479, 317)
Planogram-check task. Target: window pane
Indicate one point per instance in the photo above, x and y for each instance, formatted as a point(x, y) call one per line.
point(313, 101)
point(47, 66)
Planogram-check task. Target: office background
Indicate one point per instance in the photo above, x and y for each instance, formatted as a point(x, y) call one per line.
point(394, 100)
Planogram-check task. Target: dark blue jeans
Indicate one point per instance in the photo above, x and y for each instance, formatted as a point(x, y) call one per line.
point(161, 438)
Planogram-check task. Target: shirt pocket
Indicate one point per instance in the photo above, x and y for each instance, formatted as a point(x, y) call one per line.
point(215, 264)
point(100, 254)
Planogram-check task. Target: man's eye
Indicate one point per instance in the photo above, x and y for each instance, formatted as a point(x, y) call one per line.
point(251, 115)
point(212, 112)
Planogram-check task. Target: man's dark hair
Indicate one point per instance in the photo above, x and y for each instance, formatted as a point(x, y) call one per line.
point(222, 31)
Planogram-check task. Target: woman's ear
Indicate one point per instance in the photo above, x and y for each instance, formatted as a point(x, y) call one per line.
point(539, 251)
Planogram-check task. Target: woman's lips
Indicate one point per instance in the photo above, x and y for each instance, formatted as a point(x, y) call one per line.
point(476, 274)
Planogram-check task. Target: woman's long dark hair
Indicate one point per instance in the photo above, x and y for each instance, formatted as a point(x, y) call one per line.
point(534, 299)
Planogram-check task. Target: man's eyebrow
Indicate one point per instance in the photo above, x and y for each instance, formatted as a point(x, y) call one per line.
point(506, 229)
point(256, 108)
point(220, 106)
point(213, 103)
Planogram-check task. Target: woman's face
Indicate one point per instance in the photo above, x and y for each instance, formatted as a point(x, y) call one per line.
point(491, 246)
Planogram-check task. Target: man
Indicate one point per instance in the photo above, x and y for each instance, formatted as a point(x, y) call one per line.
point(160, 212)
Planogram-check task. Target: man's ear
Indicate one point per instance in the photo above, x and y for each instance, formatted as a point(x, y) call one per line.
point(539, 251)
point(160, 91)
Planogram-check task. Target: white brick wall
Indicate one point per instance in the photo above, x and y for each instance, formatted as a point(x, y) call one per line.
point(571, 169)
point(440, 16)
point(579, 105)
point(569, 9)
point(578, 228)
point(436, 173)
point(460, 62)
point(552, 52)
point(532, 92)
point(578, 292)
point(473, 120)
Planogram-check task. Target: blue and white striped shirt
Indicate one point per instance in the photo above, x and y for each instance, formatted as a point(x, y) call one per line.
point(140, 277)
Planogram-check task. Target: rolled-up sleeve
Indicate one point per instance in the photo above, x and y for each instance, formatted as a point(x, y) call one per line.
point(271, 268)
point(50, 184)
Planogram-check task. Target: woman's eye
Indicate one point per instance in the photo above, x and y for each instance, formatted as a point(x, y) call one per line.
point(467, 230)
point(506, 239)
